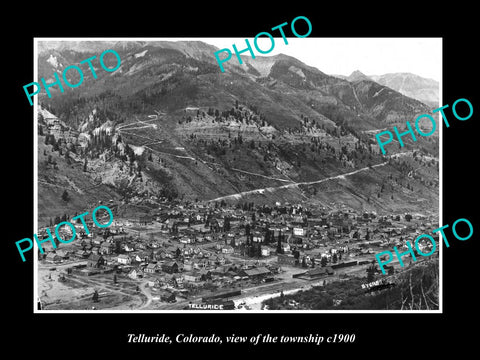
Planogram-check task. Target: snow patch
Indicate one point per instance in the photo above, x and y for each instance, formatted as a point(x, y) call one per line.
point(138, 150)
point(378, 92)
point(46, 114)
point(52, 60)
point(141, 54)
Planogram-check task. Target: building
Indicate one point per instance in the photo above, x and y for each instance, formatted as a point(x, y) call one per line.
point(95, 261)
point(265, 251)
point(298, 231)
point(256, 273)
point(227, 250)
point(257, 237)
point(136, 273)
point(319, 272)
point(186, 240)
point(128, 247)
point(284, 259)
point(192, 277)
point(177, 281)
point(82, 254)
point(285, 247)
point(170, 267)
point(151, 268)
point(124, 259)
point(345, 264)
point(53, 258)
point(106, 248)
point(64, 254)
point(205, 275)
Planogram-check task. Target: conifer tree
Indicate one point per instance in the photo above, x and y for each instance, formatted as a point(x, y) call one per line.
point(279, 245)
point(95, 296)
point(65, 196)
point(323, 261)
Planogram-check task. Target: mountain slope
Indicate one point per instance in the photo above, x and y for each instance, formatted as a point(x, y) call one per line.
point(169, 125)
point(411, 85)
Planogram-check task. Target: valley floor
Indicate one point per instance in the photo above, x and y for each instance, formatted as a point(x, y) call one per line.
point(216, 260)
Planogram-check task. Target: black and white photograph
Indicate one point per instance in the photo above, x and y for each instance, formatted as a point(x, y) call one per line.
point(209, 181)
point(259, 188)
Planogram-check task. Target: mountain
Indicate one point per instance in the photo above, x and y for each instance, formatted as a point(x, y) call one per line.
point(168, 125)
point(357, 75)
point(411, 85)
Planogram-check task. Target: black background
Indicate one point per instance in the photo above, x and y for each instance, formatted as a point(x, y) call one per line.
point(106, 334)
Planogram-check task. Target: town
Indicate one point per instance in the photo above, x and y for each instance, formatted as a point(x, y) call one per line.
point(214, 255)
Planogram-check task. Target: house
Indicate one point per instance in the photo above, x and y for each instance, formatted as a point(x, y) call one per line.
point(128, 247)
point(137, 258)
point(159, 282)
point(220, 270)
point(124, 259)
point(192, 277)
point(227, 250)
point(53, 258)
point(135, 273)
point(285, 247)
point(298, 231)
point(186, 240)
point(265, 251)
point(106, 248)
point(145, 256)
point(64, 254)
point(205, 275)
point(140, 246)
point(80, 244)
point(257, 237)
point(161, 254)
point(220, 260)
point(199, 264)
point(151, 268)
point(95, 261)
point(170, 267)
point(187, 251)
point(188, 265)
point(177, 281)
point(82, 254)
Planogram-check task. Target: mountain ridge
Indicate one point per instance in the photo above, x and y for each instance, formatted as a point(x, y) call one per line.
point(412, 85)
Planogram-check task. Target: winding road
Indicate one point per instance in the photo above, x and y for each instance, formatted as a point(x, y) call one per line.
point(295, 184)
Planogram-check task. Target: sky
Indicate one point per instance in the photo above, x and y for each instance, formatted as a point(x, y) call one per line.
point(342, 56)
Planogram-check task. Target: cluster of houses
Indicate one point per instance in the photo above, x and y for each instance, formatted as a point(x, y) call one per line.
point(194, 245)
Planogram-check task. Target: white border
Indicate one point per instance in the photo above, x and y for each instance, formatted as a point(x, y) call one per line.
point(35, 212)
